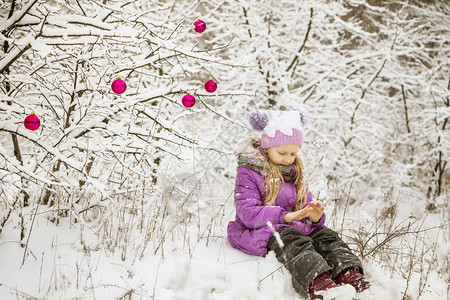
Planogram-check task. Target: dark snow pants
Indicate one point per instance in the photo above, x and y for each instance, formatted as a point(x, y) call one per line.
point(306, 257)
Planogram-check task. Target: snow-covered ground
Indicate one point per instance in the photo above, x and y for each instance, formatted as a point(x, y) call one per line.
point(68, 261)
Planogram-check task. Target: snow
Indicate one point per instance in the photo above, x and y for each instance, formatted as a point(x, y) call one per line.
point(40, 46)
point(68, 261)
point(343, 292)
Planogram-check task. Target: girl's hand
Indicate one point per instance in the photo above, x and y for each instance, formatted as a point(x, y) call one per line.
point(298, 215)
point(316, 211)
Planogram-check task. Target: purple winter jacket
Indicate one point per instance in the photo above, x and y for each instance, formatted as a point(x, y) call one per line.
point(250, 232)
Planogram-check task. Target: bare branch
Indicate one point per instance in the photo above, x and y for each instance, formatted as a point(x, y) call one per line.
point(295, 60)
point(18, 16)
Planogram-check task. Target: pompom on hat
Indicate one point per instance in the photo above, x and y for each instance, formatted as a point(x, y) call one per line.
point(280, 127)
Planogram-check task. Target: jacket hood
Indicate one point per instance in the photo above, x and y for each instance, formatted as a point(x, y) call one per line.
point(250, 147)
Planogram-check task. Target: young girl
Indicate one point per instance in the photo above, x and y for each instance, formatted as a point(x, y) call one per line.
point(271, 194)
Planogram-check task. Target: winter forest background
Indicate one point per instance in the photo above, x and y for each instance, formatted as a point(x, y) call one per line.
point(128, 196)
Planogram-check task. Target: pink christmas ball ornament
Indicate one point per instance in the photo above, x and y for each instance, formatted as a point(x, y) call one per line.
point(211, 86)
point(188, 100)
point(119, 86)
point(199, 26)
point(32, 122)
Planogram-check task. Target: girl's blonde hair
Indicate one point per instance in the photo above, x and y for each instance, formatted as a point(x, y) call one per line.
point(273, 179)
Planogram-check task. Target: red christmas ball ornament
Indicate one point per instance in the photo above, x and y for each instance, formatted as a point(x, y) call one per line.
point(119, 86)
point(211, 86)
point(199, 26)
point(188, 100)
point(32, 122)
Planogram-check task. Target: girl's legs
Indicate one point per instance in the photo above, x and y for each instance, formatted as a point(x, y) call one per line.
point(336, 252)
point(299, 257)
point(346, 267)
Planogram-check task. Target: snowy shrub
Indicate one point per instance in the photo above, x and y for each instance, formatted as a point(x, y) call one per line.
point(97, 154)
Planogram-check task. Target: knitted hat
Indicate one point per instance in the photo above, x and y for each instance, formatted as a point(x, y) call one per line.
point(280, 127)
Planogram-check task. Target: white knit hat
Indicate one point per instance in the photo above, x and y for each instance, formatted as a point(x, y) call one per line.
point(280, 127)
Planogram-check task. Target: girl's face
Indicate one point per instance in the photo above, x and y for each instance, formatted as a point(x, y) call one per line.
point(283, 154)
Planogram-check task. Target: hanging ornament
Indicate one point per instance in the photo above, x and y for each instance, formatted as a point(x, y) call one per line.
point(119, 86)
point(188, 100)
point(200, 26)
point(32, 122)
point(211, 86)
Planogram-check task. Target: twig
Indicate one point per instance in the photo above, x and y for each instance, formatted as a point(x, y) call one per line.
point(29, 234)
point(366, 88)
point(352, 119)
point(406, 109)
point(221, 115)
point(4, 219)
point(17, 292)
point(82, 10)
point(295, 60)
